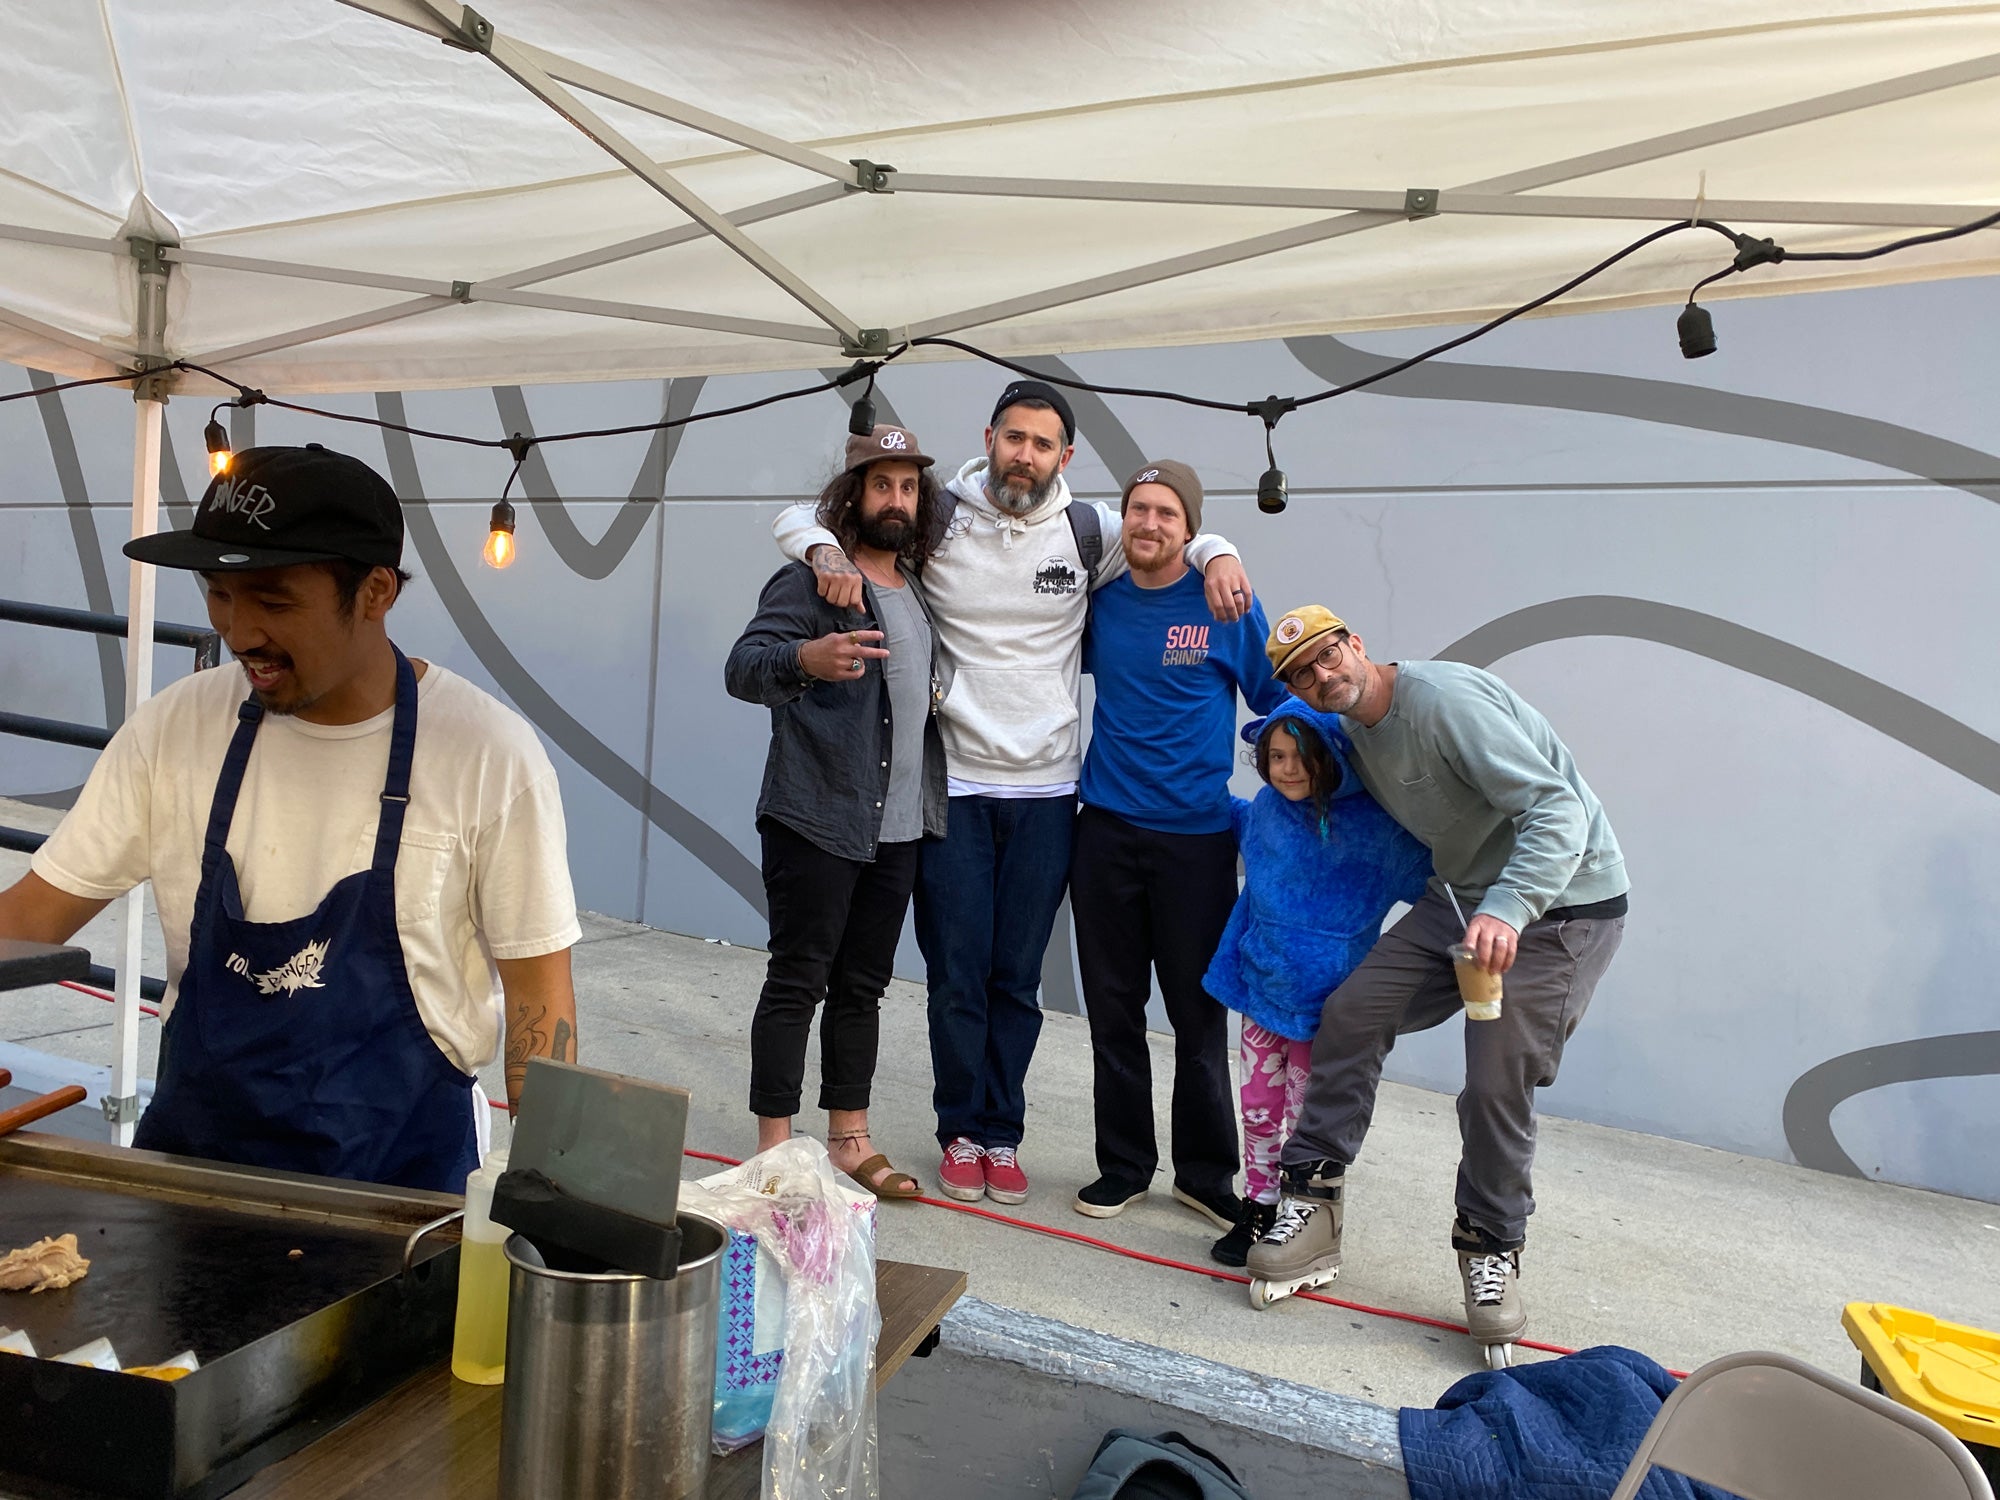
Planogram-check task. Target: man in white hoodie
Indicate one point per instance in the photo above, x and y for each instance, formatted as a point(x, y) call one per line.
point(1009, 584)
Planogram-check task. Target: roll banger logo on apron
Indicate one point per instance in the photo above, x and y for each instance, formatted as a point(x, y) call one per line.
point(298, 1045)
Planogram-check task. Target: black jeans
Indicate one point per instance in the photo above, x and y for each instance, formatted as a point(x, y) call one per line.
point(1146, 901)
point(834, 927)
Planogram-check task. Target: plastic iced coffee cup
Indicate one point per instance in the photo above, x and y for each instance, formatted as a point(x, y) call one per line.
point(1478, 989)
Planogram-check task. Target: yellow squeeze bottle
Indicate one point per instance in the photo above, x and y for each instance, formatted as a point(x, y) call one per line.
point(479, 1339)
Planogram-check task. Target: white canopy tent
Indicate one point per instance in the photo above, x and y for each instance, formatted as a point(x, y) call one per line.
point(316, 195)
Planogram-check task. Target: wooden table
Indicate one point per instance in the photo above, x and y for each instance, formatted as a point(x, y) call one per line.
point(436, 1438)
point(25, 964)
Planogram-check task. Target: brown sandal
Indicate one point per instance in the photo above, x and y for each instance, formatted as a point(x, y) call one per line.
point(884, 1184)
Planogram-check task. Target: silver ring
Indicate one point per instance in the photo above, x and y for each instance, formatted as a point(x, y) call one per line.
point(855, 665)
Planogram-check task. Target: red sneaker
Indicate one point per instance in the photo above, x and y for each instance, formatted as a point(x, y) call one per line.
point(962, 1175)
point(1005, 1181)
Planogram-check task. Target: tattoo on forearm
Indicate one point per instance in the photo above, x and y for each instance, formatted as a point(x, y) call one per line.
point(565, 1038)
point(525, 1039)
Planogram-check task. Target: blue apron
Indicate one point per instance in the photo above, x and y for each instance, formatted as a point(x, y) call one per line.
point(298, 1045)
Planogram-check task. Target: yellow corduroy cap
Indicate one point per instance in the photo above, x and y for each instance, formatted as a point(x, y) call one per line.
point(1297, 633)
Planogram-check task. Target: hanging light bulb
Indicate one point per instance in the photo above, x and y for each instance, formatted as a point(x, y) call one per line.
point(218, 447)
point(1271, 487)
point(861, 420)
point(499, 549)
point(1271, 491)
point(1697, 331)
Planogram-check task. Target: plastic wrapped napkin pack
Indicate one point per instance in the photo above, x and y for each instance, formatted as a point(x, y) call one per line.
point(796, 1330)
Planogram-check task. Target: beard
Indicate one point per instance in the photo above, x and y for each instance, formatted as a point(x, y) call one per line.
point(885, 531)
point(1017, 494)
point(1335, 696)
point(280, 704)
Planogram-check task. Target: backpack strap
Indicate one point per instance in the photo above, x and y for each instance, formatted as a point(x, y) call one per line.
point(1087, 526)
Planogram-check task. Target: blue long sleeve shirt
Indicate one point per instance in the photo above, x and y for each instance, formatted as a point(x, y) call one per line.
point(1163, 732)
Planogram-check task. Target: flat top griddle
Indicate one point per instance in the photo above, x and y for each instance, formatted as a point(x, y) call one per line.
point(192, 1255)
point(167, 1276)
point(198, 1255)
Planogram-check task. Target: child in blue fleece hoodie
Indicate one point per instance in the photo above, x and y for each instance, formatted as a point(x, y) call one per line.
point(1322, 866)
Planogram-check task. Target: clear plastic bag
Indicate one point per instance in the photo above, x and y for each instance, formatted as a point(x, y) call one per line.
point(820, 1441)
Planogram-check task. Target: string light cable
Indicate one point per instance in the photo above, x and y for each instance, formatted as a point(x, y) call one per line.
point(1694, 325)
point(867, 369)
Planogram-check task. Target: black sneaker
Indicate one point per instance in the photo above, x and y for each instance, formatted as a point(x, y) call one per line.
point(1220, 1209)
point(1108, 1197)
point(1233, 1249)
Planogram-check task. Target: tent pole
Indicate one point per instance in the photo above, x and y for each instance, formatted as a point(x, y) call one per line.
point(122, 1107)
point(149, 404)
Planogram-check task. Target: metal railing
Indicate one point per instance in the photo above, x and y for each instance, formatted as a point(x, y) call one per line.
point(207, 648)
point(205, 643)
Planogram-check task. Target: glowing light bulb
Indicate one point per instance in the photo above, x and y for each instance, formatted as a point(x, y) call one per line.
point(217, 440)
point(500, 549)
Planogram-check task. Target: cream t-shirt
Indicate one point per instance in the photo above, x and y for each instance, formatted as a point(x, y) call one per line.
point(482, 873)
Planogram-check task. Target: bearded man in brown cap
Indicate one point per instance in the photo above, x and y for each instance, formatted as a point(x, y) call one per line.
point(853, 783)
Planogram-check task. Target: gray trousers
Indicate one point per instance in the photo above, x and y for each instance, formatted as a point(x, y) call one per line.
point(1406, 984)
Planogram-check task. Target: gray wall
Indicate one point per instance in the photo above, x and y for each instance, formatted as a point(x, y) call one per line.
point(1752, 593)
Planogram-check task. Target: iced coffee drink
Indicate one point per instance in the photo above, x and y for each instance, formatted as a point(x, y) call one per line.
point(1476, 987)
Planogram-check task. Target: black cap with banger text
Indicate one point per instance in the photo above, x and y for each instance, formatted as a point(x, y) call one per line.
point(1042, 391)
point(276, 507)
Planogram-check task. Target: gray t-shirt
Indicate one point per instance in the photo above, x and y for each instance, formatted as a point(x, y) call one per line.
point(907, 637)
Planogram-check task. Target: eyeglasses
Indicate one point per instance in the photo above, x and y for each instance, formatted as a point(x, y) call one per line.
point(1327, 660)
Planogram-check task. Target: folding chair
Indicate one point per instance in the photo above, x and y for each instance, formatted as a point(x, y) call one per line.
point(1769, 1427)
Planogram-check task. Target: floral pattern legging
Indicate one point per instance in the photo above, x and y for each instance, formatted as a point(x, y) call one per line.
point(1275, 1070)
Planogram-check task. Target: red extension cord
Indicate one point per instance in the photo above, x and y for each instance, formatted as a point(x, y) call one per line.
point(1210, 1272)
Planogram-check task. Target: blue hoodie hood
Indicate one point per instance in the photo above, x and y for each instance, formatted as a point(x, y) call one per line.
point(1314, 894)
point(1325, 728)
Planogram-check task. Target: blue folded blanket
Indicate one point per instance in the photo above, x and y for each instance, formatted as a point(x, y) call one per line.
point(1558, 1430)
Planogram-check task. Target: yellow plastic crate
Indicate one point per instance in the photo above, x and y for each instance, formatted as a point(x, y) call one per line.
point(1947, 1371)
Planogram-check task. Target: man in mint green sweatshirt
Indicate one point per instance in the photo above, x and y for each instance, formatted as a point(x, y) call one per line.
point(1520, 843)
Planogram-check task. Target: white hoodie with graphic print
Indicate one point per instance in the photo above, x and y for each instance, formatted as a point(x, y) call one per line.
point(1010, 597)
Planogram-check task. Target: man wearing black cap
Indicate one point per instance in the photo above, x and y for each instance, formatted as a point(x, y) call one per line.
point(853, 782)
point(359, 867)
point(1010, 583)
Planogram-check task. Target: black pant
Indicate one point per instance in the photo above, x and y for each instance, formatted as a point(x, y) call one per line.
point(1155, 901)
point(834, 927)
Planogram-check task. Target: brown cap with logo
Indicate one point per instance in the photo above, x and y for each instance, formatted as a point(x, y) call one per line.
point(885, 442)
point(1176, 476)
point(1298, 635)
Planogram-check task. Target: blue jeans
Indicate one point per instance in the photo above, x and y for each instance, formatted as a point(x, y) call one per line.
point(987, 896)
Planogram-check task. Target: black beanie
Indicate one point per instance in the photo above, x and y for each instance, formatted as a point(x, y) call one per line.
point(1042, 391)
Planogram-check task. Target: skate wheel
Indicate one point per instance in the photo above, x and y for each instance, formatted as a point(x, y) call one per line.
point(1262, 1295)
point(1499, 1356)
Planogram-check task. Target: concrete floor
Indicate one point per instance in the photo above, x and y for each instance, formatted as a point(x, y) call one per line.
point(1676, 1250)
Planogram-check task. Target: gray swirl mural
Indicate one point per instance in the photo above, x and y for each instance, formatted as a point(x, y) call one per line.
point(1806, 1103)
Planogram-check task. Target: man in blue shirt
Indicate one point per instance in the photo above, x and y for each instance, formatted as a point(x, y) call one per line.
point(1153, 875)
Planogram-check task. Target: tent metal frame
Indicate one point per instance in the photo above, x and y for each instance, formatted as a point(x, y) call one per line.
point(556, 80)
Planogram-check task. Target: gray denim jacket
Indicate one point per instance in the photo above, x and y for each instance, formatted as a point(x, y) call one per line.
point(826, 776)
